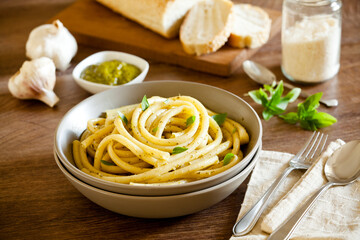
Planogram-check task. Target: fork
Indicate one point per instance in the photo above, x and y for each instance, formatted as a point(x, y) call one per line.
point(302, 160)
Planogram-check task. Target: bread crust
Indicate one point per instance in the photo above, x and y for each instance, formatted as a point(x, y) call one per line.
point(161, 16)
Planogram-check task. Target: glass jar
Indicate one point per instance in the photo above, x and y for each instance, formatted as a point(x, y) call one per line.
point(311, 39)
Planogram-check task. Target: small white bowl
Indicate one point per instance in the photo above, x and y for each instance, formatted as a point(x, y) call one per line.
point(160, 206)
point(107, 56)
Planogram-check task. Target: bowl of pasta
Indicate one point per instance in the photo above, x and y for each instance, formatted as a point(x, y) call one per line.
point(158, 138)
point(159, 206)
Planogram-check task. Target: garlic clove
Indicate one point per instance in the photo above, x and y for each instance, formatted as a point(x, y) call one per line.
point(53, 41)
point(48, 97)
point(35, 80)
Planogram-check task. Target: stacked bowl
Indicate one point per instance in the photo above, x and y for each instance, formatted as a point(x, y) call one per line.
point(157, 201)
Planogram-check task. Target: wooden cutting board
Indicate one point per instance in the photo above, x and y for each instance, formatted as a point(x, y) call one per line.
point(95, 25)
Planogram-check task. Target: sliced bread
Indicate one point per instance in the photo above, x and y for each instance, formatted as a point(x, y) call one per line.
point(161, 16)
point(251, 26)
point(206, 27)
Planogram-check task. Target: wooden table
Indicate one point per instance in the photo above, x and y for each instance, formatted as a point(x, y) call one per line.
point(37, 202)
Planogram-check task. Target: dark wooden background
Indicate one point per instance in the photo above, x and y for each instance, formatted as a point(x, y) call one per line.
point(37, 202)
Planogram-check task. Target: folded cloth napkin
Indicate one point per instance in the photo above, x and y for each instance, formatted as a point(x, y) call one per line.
point(336, 214)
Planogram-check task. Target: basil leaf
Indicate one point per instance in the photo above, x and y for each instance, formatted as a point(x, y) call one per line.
point(291, 117)
point(308, 125)
point(263, 97)
point(275, 110)
point(270, 111)
point(292, 95)
point(312, 102)
point(322, 119)
point(276, 97)
point(259, 96)
point(123, 117)
point(220, 118)
point(255, 95)
point(228, 158)
point(282, 104)
point(144, 103)
point(155, 129)
point(267, 114)
point(190, 120)
point(301, 111)
point(178, 150)
point(269, 88)
point(108, 163)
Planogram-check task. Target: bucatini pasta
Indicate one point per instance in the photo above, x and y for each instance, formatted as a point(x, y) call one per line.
point(159, 141)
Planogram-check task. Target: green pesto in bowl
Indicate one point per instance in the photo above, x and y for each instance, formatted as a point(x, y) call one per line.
point(111, 73)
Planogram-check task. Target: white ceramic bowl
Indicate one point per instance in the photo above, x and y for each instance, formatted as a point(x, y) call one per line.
point(74, 123)
point(160, 206)
point(107, 56)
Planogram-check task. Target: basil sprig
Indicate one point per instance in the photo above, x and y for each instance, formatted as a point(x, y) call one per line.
point(308, 116)
point(274, 103)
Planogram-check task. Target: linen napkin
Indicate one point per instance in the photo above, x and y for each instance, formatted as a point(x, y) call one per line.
point(336, 214)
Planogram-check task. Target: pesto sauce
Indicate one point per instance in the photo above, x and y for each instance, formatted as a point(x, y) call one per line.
point(111, 73)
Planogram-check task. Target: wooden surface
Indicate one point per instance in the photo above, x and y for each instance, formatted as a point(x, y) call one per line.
point(95, 25)
point(37, 202)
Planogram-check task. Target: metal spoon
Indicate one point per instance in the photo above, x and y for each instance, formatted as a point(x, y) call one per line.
point(342, 168)
point(262, 75)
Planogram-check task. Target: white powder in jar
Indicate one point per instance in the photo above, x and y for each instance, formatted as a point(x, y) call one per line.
point(311, 49)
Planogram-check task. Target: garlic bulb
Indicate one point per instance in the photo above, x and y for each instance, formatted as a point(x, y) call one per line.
point(53, 41)
point(35, 80)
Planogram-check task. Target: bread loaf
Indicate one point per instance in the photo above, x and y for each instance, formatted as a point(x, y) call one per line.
point(251, 26)
point(161, 16)
point(206, 27)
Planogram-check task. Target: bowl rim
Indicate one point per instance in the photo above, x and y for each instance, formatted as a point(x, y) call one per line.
point(250, 166)
point(142, 64)
point(62, 157)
